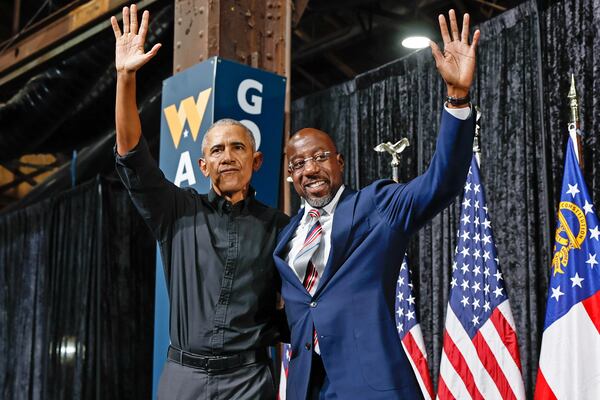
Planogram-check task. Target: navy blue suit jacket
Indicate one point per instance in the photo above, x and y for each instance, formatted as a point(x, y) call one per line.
point(354, 312)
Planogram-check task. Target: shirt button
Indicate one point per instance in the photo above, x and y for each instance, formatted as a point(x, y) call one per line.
point(313, 304)
point(307, 345)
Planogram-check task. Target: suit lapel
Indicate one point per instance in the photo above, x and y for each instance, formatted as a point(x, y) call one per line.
point(342, 224)
point(284, 269)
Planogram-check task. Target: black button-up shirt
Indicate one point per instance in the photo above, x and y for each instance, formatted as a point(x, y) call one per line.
point(217, 258)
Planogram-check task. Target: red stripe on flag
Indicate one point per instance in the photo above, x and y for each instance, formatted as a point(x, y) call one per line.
point(460, 365)
point(508, 335)
point(420, 361)
point(443, 392)
point(490, 363)
point(542, 390)
point(592, 306)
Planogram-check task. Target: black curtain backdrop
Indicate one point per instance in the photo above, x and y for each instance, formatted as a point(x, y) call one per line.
point(525, 59)
point(76, 298)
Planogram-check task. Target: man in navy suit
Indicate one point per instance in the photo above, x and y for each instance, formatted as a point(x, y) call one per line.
point(339, 258)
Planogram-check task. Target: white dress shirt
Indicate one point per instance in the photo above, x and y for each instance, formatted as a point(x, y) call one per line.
point(321, 255)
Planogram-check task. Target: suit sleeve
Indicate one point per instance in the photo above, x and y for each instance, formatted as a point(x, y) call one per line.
point(406, 207)
point(155, 197)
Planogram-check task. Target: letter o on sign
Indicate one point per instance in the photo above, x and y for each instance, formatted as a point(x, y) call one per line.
point(254, 129)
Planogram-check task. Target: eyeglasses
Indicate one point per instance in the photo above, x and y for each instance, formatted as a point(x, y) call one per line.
point(298, 165)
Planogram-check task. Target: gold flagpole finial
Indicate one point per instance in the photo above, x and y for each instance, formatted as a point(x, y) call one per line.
point(574, 122)
point(573, 102)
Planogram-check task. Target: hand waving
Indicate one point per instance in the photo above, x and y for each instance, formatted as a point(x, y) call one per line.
point(129, 49)
point(457, 63)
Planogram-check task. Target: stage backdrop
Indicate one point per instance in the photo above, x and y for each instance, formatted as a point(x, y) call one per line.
point(525, 59)
point(76, 290)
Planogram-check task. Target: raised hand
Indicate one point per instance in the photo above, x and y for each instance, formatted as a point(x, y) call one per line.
point(457, 63)
point(129, 49)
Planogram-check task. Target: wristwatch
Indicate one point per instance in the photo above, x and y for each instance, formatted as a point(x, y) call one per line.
point(458, 101)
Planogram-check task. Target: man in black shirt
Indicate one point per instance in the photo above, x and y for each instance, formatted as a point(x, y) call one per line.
point(216, 248)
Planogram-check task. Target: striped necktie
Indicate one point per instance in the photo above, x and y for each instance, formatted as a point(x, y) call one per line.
point(304, 265)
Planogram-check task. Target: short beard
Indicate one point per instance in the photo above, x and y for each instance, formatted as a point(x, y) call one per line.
point(320, 202)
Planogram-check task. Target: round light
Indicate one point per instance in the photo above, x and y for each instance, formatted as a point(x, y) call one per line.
point(416, 42)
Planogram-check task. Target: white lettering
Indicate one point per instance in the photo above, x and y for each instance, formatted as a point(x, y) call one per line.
point(254, 129)
point(255, 105)
point(185, 171)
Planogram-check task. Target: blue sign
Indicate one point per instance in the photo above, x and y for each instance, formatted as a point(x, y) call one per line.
point(191, 102)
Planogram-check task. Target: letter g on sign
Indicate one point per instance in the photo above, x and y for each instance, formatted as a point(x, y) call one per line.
point(254, 106)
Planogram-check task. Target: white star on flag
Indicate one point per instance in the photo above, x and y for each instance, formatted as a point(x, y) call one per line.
point(556, 293)
point(594, 233)
point(465, 301)
point(486, 224)
point(573, 190)
point(588, 207)
point(592, 260)
point(498, 291)
point(577, 280)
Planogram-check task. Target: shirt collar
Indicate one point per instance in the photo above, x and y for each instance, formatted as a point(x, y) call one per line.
point(221, 204)
point(328, 209)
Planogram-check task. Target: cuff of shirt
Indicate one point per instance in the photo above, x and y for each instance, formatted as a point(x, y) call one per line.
point(460, 113)
point(135, 156)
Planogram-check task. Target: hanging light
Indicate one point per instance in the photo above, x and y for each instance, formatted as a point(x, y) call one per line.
point(416, 42)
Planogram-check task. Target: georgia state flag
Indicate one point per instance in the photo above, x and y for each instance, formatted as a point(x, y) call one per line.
point(569, 365)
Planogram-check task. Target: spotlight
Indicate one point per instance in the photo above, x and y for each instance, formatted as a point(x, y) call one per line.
point(416, 42)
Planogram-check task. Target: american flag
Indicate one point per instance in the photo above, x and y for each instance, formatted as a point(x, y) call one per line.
point(480, 357)
point(569, 366)
point(409, 330)
point(286, 354)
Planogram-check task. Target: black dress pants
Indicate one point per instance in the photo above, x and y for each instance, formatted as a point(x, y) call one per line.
point(250, 382)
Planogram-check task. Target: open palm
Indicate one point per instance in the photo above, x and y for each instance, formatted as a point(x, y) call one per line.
point(457, 63)
point(129, 49)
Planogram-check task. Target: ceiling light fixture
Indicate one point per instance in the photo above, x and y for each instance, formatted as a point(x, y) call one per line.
point(416, 42)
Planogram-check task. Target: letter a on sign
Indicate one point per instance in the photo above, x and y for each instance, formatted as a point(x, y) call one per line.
point(185, 172)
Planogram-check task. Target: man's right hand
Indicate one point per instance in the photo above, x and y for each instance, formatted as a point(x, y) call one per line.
point(129, 49)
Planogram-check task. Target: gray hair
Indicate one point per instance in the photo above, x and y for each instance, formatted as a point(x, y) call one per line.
point(229, 122)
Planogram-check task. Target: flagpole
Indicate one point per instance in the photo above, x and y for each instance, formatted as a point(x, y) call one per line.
point(476, 141)
point(573, 126)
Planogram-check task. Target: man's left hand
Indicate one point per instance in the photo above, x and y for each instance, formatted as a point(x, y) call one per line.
point(457, 63)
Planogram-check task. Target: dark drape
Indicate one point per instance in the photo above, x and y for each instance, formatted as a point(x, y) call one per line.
point(524, 60)
point(76, 298)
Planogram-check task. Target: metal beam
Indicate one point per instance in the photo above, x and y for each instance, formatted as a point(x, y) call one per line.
point(299, 8)
point(329, 56)
point(16, 16)
point(492, 5)
point(328, 42)
point(56, 31)
point(308, 76)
